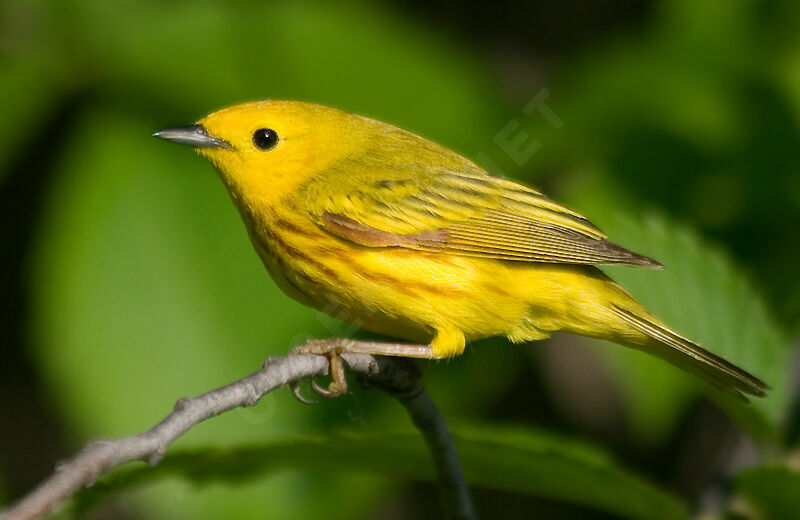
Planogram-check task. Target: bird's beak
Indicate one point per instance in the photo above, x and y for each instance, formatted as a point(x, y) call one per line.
point(195, 136)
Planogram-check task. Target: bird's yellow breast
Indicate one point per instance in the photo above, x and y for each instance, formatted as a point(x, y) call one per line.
point(412, 294)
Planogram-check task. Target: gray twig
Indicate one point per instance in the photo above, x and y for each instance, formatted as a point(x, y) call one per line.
point(398, 377)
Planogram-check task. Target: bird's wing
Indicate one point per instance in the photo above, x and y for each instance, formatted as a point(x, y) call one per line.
point(465, 213)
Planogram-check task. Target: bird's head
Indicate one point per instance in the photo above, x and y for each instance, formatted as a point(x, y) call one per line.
point(264, 150)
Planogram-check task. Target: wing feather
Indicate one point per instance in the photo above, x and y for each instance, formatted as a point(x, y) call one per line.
point(466, 212)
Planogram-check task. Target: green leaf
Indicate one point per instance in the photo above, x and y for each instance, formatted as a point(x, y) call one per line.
point(774, 491)
point(521, 461)
point(704, 296)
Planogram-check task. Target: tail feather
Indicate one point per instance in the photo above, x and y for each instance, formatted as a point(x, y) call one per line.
point(680, 351)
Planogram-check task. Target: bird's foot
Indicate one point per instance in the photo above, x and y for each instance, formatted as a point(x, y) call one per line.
point(334, 348)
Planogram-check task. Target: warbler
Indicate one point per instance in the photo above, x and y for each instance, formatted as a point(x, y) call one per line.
point(404, 237)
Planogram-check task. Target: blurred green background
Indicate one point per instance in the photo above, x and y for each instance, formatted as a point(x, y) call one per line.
point(128, 280)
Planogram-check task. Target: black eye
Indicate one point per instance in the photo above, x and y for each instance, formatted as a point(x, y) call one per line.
point(265, 138)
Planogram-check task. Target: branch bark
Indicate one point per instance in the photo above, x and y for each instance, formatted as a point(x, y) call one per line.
point(397, 376)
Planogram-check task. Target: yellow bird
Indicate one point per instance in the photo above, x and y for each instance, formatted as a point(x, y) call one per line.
point(403, 237)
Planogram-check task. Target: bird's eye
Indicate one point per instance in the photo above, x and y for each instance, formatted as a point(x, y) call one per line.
point(265, 138)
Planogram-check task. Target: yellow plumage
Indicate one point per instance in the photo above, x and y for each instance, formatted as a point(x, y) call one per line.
point(398, 235)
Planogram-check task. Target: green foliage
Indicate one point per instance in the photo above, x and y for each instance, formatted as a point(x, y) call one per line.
point(19, 119)
point(704, 296)
point(696, 112)
point(524, 461)
point(773, 491)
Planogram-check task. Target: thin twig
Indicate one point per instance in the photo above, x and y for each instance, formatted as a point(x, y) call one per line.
point(398, 377)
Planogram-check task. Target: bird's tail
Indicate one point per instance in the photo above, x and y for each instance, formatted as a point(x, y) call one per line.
point(685, 354)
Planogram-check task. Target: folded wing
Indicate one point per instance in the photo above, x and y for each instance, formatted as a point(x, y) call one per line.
point(466, 213)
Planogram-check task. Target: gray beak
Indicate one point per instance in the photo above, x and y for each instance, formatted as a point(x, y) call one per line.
point(195, 136)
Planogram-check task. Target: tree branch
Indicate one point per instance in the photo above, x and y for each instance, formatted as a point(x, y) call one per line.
point(397, 376)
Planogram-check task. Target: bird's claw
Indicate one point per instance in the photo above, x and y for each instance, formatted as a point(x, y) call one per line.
point(338, 384)
point(335, 389)
point(298, 393)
